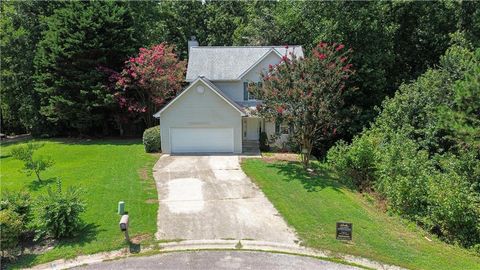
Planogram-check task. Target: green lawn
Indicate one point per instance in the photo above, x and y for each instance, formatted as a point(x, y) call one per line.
point(312, 205)
point(108, 171)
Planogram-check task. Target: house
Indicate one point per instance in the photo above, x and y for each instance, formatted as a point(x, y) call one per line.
point(214, 112)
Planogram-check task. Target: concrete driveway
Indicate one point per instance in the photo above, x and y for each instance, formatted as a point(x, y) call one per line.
point(209, 197)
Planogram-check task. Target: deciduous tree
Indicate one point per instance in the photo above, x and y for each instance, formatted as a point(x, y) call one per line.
point(148, 81)
point(307, 94)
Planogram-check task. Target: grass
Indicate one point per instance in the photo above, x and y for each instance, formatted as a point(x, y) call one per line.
point(313, 204)
point(108, 171)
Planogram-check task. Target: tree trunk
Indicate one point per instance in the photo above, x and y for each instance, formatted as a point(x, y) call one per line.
point(306, 151)
point(38, 176)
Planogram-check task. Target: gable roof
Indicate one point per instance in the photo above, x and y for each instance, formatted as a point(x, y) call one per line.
point(229, 63)
point(210, 85)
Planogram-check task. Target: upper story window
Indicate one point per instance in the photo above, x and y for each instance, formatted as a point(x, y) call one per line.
point(246, 94)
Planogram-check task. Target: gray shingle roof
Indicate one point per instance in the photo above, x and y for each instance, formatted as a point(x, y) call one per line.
point(228, 63)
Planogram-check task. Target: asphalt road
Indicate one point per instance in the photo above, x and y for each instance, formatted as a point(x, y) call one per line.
point(219, 260)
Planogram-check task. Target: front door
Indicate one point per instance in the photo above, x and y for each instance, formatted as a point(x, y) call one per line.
point(251, 128)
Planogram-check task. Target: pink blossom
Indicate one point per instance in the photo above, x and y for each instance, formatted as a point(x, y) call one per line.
point(341, 46)
point(347, 67)
point(280, 109)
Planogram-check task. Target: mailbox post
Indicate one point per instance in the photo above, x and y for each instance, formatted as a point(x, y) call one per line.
point(124, 226)
point(121, 208)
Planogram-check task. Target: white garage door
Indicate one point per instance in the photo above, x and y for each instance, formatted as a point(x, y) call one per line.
point(192, 140)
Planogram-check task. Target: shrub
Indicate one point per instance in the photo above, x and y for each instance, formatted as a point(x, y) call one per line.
point(151, 139)
point(355, 162)
point(422, 152)
point(11, 228)
point(264, 145)
point(20, 203)
point(31, 165)
point(454, 206)
point(402, 176)
point(60, 212)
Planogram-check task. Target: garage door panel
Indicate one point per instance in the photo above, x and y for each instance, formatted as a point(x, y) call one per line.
point(191, 140)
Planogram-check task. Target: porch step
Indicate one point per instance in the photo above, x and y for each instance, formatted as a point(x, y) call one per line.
point(251, 146)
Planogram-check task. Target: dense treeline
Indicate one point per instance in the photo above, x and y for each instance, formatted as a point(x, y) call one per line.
point(51, 51)
point(422, 153)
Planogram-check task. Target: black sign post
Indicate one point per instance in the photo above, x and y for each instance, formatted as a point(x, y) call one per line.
point(344, 231)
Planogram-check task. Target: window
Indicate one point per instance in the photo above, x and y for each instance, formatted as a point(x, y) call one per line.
point(277, 128)
point(285, 129)
point(247, 95)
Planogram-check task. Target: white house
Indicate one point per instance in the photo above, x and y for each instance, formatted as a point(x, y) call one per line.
point(212, 113)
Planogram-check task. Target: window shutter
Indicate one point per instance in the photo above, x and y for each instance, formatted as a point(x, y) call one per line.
point(245, 90)
point(277, 127)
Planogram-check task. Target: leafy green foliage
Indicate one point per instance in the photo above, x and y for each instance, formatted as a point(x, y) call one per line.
point(423, 152)
point(60, 211)
point(11, 228)
point(357, 161)
point(151, 139)
point(20, 32)
point(78, 39)
point(31, 164)
point(20, 203)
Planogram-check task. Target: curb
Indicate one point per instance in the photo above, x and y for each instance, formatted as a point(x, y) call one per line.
point(197, 245)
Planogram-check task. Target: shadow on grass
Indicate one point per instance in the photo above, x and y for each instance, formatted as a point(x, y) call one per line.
point(5, 156)
point(86, 235)
point(99, 141)
point(36, 185)
point(24, 261)
point(83, 141)
point(320, 178)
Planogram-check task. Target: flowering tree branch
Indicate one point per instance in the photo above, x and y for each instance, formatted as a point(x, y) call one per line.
point(306, 93)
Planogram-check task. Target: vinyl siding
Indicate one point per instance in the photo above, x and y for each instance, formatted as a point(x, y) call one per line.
point(200, 110)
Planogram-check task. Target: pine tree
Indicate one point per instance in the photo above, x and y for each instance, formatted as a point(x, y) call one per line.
point(78, 40)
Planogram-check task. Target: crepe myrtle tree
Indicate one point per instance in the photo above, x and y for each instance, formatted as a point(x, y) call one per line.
point(148, 81)
point(306, 93)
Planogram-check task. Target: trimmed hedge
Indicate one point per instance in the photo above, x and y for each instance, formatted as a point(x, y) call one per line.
point(151, 139)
